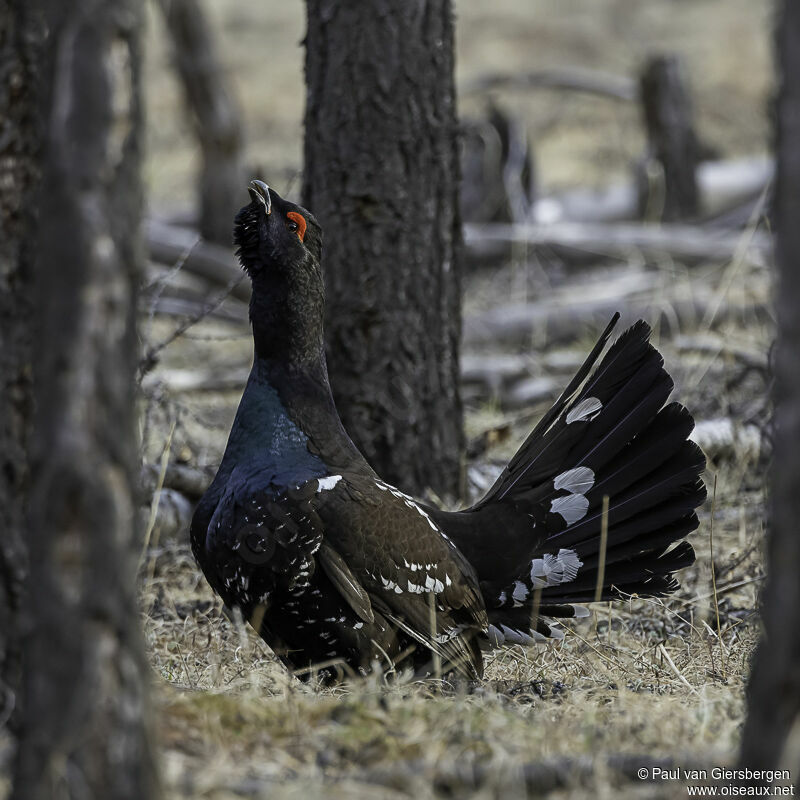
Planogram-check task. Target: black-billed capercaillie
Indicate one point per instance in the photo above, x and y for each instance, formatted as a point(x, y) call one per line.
point(336, 568)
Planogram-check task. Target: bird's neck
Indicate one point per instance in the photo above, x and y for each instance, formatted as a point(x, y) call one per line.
point(287, 327)
point(287, 420)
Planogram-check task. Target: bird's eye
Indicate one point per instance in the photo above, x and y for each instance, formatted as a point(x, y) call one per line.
point(296, 223)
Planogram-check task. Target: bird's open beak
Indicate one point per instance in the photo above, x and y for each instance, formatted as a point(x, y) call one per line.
point(260, 191)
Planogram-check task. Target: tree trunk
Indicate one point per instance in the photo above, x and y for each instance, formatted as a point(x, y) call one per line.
point(672, 141)
point(216, 116)
point(774, 691)
point(20, 140)
point(84, 685)
point(381, 175)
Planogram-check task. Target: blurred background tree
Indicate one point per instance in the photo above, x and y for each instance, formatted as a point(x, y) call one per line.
point(382, 175)
point(774, 689)
point(73, 127)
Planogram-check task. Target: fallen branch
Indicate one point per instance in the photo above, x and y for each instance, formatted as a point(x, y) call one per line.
point(723, 439)
point(547, 321)
point(685, 243)
point(191, 482)
point(168, 244)
point(715, 346)
point(728, 191)
point(615, 87)
point(192, 380)
point(185, 307)
point(494, 370)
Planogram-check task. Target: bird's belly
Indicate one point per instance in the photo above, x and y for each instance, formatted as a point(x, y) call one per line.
point(314, 632)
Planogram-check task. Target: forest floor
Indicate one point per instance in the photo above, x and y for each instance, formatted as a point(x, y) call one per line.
point(635, 682)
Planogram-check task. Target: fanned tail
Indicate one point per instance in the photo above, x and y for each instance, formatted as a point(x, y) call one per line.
point(609, 435)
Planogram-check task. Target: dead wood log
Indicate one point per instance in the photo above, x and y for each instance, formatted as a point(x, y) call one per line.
point(710, 345)
point(685, 243)
point(188, 480)
point(725, 439)
point(614, 87)
point(494, 370)
point(192, 380)
point(190, 308)
point(728, 191)
point(521, 323)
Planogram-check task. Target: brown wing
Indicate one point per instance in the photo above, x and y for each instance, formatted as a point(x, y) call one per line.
point(411, 571)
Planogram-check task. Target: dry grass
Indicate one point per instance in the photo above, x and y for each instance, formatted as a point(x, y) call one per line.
point(645, 678)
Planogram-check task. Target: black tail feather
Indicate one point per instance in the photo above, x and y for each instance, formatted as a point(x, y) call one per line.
point(609, 434)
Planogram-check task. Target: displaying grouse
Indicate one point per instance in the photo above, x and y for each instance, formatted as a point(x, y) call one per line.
point(334, 567)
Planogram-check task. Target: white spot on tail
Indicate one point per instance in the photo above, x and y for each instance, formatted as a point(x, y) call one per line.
point(576, 481)
point(520, 593)
point(325, 484)
point(586, 410)
point(573, 507)
point(550, 570)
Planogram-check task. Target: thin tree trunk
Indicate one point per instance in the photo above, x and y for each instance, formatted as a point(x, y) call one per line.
point(216, 115)
point(381, 175)
point(672, 141)
point(774, 691)
point(83, 731)
point(20, 140)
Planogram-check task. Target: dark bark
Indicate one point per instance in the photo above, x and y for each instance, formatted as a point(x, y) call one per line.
point(381, 175)
point(774, 690)
point(84, 676)
point(19, 148)
point(216, 116)
point(672, 141)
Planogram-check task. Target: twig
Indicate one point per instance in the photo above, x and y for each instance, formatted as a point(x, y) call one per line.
point(437, 659)
point(662, 650)
point(150, 358)
point(713, 573)
point(156, 496)
point(601, 566)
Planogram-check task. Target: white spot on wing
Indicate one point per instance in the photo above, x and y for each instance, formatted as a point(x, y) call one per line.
point(409, 501)
point(325, 484)
point(391, 585)
point(576, 481)
point(573, 507)
point(586, 410)
point(520, 593)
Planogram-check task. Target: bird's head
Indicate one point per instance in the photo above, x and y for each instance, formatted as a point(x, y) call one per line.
point(273, 235)
point(279, 245)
